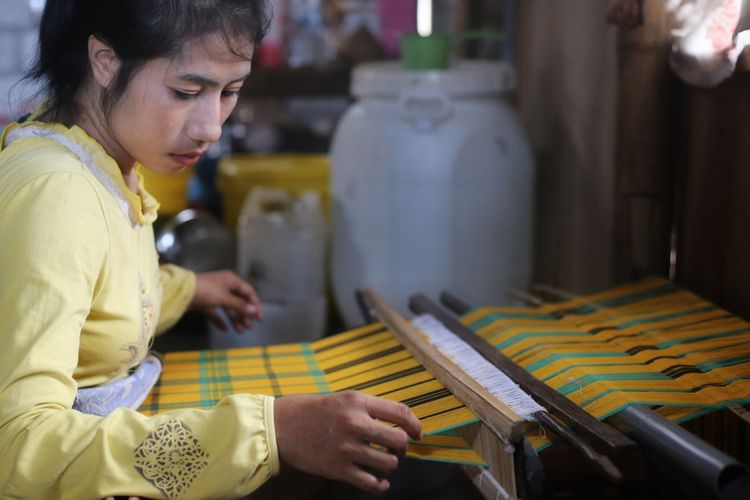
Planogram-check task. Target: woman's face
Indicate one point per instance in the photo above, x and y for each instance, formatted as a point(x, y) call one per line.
point(174, 108)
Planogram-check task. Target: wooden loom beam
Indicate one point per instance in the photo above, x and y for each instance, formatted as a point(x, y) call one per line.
point(506, 423)
point(501, 429)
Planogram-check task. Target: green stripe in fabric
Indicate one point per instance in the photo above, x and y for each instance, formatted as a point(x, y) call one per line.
point(580, 383)
point(719, 335)
point(450, 427)
point(314, 369)
point(489, 318)
point(533, 335)
point(582, 365)
point(725, 362)
point(552, 357)
point(664, 317)
point(450, 433)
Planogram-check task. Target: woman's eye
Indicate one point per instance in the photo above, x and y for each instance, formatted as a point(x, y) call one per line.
point(179, 94)
point(230, 92)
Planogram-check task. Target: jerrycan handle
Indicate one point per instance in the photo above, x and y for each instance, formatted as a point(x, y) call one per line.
point(433, 51)
point(424, 110)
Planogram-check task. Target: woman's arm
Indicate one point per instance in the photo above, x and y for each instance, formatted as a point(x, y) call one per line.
point(52, 257)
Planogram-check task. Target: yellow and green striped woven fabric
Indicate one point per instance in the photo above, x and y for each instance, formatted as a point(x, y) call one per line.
point(648, 343)
point(367, 359)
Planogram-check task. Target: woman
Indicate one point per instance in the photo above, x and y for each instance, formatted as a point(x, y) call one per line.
point(129, 83)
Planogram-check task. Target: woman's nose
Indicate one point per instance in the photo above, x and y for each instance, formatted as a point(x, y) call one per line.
point(205, 125)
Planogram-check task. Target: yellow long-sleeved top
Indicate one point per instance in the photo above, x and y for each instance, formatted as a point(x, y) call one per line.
point(81, 295)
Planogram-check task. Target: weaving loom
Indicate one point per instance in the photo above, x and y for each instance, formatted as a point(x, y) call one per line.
point(647, 343)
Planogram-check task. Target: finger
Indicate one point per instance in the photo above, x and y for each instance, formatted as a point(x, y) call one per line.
point(396, 413)
point(215, 319)
point(393, 438)
point(239, 320)
point(373, 458)
point(237, 304)
point(247, 292)
point(241, 288)
point(365, 481)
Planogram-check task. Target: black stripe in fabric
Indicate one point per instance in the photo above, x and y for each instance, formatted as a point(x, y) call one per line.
point(600, 329)
point(641, 348)
point(623, 336)
point(406, 387)
point(426, 398)
point(357, 347)
point(442, 412)
point(269, 370)
point(385, 378)
point(676, 371)
point(363, 359)
point(657, 358)
point(347, 341)
point(719, 384)
point(333, 380)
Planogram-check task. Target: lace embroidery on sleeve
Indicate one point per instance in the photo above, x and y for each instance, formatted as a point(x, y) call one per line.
point(171, 458)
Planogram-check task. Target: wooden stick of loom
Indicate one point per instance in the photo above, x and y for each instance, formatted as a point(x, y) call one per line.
point(503, 420)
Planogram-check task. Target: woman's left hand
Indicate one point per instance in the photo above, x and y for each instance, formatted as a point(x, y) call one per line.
point(226, 290)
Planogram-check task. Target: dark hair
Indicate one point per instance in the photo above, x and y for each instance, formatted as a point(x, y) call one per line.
point(137, 30)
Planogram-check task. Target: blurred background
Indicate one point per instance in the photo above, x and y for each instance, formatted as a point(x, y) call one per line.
point(635, 169)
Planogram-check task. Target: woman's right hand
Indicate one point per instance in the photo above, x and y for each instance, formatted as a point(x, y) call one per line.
point(332, 436)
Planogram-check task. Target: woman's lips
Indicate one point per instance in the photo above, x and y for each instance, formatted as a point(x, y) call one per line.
point(186, 159)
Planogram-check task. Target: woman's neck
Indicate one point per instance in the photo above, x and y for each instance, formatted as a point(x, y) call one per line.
point(91, 119)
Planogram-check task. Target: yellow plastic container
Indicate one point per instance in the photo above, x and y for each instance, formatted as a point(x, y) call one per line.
point(296, 173)
point(170, 190)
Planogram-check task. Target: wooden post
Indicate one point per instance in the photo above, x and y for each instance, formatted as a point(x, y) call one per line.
point(500, 459)
point(645, 147)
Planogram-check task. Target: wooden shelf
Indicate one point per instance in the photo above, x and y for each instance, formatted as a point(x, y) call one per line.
point(290, 82)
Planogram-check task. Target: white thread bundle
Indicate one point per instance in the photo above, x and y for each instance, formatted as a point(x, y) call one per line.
point(482, 371)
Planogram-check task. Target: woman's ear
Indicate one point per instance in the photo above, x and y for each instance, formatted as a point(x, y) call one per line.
point(103, 60)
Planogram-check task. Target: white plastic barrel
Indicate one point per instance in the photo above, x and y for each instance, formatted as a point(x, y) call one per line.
point(432, 186)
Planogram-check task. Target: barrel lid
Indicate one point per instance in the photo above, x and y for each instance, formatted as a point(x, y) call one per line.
point(462, 79)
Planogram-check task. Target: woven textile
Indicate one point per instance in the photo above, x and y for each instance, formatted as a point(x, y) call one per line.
point(648, 343)
point(367, 359)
